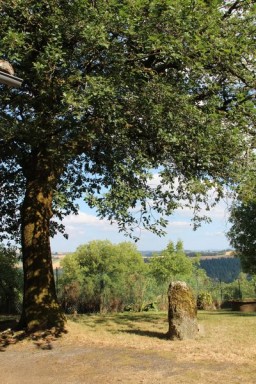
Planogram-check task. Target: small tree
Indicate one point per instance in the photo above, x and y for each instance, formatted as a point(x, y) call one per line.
point(198, 280)
point(170, 264)
point(109, 276)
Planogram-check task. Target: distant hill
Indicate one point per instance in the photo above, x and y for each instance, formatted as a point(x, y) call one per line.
point(224, 269)
point(148, 253)
point(229, 253)
point(219, 265)
point(204, 254)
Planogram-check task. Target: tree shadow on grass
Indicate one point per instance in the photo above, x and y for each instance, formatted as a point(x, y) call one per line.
point(9, 334)
point(117, 318)
point(153, 334)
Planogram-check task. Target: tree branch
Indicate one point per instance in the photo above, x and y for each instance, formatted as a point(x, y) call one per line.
point(237, 4)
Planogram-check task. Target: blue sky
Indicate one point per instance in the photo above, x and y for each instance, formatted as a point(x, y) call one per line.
point(85, 227)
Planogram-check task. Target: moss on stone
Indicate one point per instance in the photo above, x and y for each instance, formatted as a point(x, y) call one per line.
point(182, 311)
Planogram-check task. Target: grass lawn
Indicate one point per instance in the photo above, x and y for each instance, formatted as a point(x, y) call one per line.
point(132, 348)
point(224, 352)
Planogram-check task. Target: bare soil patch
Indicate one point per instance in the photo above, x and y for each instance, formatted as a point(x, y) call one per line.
point(132, 348)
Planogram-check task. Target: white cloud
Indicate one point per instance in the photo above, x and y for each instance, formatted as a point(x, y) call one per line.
point(216, 234)
point(219, 211)
point(82, 222)
point(83, 218)
point(155, 180)
point(179, 224)
point(85, 227)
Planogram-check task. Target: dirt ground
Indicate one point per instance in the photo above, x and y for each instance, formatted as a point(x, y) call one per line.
point(83, 359)
point(91, 364)
point(67, 364)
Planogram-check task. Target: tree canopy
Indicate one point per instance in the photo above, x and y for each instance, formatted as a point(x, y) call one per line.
point(113, 90)
point(242, 234)
point(106, 276)
point(171, 264)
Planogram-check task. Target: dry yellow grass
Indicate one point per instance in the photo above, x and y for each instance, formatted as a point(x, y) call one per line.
point(132, 349)
point(224, 352)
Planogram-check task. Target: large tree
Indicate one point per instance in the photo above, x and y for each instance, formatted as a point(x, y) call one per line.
point(114, 89)
point(242, 233)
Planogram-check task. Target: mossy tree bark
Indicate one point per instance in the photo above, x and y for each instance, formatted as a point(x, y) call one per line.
point(40, 305)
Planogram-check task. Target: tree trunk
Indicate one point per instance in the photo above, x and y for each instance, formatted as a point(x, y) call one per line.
point(40, 306)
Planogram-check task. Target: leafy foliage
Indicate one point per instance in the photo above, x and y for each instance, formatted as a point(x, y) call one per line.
point(103, 276)
point(10, 281)
point(113, 89)
point(112, 92)
point(204, 301)
point(242, 233)
point(172, 263)
point(243, 288)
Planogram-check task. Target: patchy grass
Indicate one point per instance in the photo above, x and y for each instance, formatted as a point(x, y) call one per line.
point(132, 348)
point(217, 329)
point(122, 328)
point(224, 351)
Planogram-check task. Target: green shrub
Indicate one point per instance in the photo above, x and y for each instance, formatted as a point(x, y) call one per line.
point(204, 301)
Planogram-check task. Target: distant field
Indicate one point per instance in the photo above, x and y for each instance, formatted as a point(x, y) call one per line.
point(226, 255)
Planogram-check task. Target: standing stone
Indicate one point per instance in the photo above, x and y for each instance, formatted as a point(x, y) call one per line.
point(182, 312)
